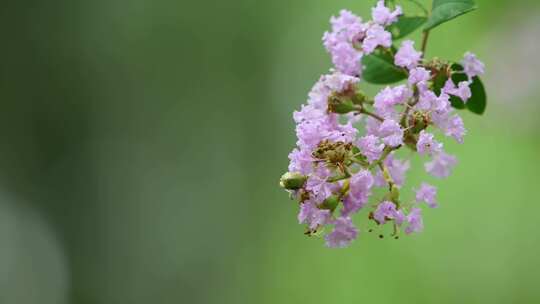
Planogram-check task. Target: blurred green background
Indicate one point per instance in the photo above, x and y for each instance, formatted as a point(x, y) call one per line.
point(141, 143)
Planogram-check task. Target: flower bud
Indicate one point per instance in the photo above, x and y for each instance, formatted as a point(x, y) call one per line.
point(292, 180)
point(333, 153)
point(418, 122)
point(410, 140)
point(359, 98)
point(330, 203)
point(340, 104)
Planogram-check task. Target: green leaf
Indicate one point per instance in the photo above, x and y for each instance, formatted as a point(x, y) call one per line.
point(406, 25)
point(457, 78)
point(438, 83)
point(379, 68)
point(478, 101)
point(457, 103)
point(446, 10)
point(420, 6)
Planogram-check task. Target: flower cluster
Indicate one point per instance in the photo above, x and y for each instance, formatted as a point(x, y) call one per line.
point(334, 170)
point(350, 39)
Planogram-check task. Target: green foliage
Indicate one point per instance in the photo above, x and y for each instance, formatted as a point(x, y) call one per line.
point(406, 25)
point(446, 10)
point(478, 101)
point(454, 100)
point(380, 68)
point(339, 105)
point(330, 203)
point(438, 83)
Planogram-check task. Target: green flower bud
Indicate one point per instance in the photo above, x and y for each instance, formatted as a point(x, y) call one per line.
point(410, 140)
point(340, 104)
point(418, 122)
point(330, 203)
point(359, 98)
point(292, 180)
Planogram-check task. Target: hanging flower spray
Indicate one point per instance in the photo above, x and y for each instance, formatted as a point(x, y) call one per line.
point(347, 141)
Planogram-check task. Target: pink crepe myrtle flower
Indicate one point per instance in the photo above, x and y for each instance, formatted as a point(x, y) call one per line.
point(389, 97)
point(455, 128)
point(441, 165)
point(312, 216)
point(391, 133)
point(419, 76)
point(427, 144)
point(463, 91)
point(414, 221)
point(407, 56)
point(371, 147)
point(427, 193)
point(344, 232)
point(472, 66)
point(376, 36)
point(382, 14)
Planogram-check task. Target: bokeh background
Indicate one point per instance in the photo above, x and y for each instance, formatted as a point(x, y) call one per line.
point(141, 144)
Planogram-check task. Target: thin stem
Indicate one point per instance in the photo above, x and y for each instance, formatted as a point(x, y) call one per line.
point(386, 175)
point(347, 172)
point(387, 150)
point(362, 110)
point(392, 187)
point(345, 189)
point(409, 105)
point(339, 177)
point(393, 191)
point(361, 163)
point(425, 36)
